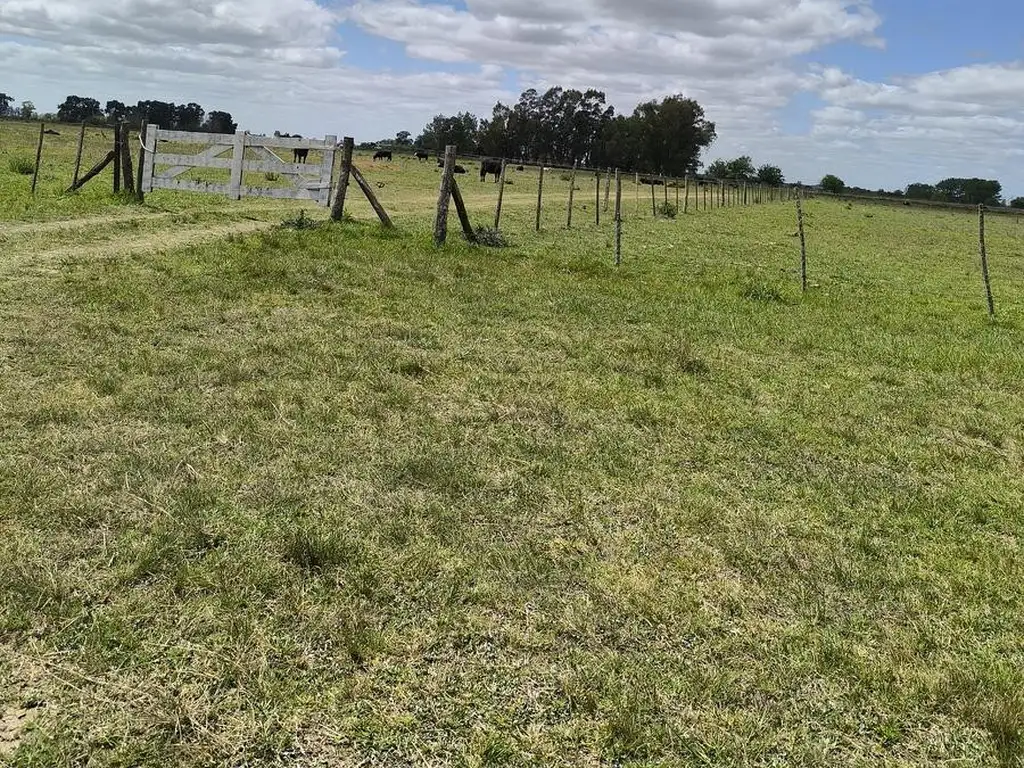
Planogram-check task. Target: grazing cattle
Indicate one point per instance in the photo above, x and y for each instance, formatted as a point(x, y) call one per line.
point(490, 166)
point(520, 168)
point(300, 155)
point(652, 182)
point(382, 154)
point(51, 132)
point(421, 155)
point(459, 169)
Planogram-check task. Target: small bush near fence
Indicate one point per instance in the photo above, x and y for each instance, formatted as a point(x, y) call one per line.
point(21, 165)
point(490, 237)
point(667, 211)
point(302, 221)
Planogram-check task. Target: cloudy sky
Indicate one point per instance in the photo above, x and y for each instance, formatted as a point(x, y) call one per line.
point(881, 92)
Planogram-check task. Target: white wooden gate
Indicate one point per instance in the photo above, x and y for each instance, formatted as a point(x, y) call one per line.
point(248, 154)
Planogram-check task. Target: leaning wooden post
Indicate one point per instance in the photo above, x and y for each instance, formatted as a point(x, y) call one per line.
point(460, 209)
point(117, 157)
point(96, 169)
point(338, 207)
point(803, 244)
point(664, 184)
point(444, 196)
point(984, 260)
point(78, 154)
point(140, 193)
point(501, 195)
point(607, 187)
point(686, 193)
point(372, 198)
point(572, 194)
point(540, 195)
point(39, 157)
point(618, 218)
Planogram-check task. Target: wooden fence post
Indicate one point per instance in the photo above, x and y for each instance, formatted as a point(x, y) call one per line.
point(126, 160)
point(140, 193)
point(654, 204)
point(636, 180)
point(677, 195)
point(338, 207)
point(803, 244)
point(607, 187)
point(540, 195)
point(117, 157)
point(618, 218)
point(501, 195)
point(39, 157)
point(444, 195)
point(597, 198)
point(704, 187)
point(686, 193)
point(984, 260)
point(572, 194)
point(237, 164)
point(664, 184)
point(78, 155)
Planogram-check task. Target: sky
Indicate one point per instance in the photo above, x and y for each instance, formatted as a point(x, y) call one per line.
point(879, 92)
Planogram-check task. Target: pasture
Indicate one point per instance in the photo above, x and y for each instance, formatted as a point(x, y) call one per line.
point(330, 496)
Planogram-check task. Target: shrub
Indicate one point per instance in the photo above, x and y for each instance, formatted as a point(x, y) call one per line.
point(667, 211)
point(490, 237)
point(302, 221)
point(271, 176)
point(22, 165)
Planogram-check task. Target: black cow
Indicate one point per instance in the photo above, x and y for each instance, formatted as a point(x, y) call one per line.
point(520, 168)
point(382, 154)
point(459, 169)
point(300, 155)
point(421, 155)
point(490, 166)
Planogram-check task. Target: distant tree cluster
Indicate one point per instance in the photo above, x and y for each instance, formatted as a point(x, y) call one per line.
point(566, 126)
point(78, 109)
point(742, 169)
point(955, 190)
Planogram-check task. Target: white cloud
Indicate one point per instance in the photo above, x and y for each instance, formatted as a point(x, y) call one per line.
point(281, 64)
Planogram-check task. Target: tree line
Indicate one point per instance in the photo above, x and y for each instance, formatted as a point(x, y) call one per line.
point(973, 191)
point(565, 126)
point(83, 109)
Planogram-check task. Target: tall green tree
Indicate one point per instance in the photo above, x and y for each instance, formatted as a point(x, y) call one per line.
point(671, 134)
point(920, 191)
point(832, 183)
point(969, 191)
point(5, 105)
point(460, 130)
point(219, 122)
point(770, 175)
point(27, 110)
point(78, 109)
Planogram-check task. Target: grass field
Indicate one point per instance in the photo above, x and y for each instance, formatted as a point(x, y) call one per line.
point(334, 497)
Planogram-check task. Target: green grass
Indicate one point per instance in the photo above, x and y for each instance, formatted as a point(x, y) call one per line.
point(329, 495)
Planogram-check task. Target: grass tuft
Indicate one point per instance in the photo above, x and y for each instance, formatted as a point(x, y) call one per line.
point(490, 237)
point(21, 165)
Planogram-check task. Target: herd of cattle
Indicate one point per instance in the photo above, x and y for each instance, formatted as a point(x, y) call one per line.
point(487, 165)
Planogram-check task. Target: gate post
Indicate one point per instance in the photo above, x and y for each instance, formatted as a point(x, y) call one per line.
point(327, 170)
point(149, 141)
point(237, 164)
